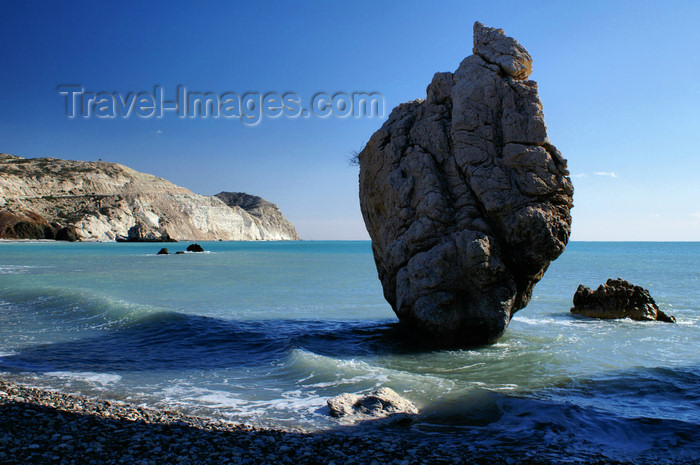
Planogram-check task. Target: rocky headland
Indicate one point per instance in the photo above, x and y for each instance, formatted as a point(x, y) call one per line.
point(267, 213)
point(50, 198)
point(465, 198)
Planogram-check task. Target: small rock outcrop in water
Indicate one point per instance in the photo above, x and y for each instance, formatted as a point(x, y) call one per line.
point(465, 198)
point(618, 298)
point(375, 404)
point(163, 251)
point(194, 248)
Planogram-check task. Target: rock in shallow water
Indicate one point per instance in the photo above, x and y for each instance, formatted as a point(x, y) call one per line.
point(618, 298)
point(141, 233)
point(375, 404)
point(465, 198)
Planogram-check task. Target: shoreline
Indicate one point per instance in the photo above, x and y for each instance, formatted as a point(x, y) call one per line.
point(43, 426)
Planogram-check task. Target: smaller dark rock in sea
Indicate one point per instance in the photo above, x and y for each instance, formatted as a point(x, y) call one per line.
point(163, 251)
point(195, 248)
point(616, 299)
point(179, 252)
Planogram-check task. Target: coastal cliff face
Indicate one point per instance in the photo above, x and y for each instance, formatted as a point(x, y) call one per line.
point(465, 198)
point(267, 213)
point(106, 201)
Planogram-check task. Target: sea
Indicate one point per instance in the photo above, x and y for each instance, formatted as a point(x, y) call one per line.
point(264, 332)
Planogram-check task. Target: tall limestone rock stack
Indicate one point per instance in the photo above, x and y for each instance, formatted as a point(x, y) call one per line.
point(465, 198)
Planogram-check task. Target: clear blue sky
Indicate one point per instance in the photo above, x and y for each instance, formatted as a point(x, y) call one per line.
point(619, 82)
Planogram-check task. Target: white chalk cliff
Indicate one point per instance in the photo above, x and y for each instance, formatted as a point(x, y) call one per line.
point(106, 201)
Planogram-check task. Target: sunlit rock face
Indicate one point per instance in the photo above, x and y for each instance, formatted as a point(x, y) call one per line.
point(465, 198)
point(101, 201)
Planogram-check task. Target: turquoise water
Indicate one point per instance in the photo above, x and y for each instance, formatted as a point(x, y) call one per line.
point(265, 332)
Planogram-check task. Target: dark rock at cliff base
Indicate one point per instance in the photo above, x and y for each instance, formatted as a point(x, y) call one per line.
point(195, 248)
point(67, 234)
point(163, 251)
point(140, 233)
point(30, 225)
point(375, 404)
point(31, 230)
point(616, 299)
point(465, 198)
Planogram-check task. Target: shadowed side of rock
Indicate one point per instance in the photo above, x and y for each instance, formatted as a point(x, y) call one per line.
point(465, 198)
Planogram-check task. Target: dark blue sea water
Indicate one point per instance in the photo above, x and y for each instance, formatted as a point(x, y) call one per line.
point(264, 332)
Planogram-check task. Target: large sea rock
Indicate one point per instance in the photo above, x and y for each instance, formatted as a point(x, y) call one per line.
point(465, 198)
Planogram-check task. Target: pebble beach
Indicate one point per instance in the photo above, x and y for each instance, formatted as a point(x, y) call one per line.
point(40, 426)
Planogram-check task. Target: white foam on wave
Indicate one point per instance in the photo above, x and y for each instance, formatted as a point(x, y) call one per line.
point(323, 376)
point(504, 387)
point(185, 394)
point(528, 320)
point(233, 406)
point(218, 399)
point(107, 310)
point(15, 269)
point(299, 401)
point(346, 371)
point(103, 379)
point(687, 321)
point(465, 367)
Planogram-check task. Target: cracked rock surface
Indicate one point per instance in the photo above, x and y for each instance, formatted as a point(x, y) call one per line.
point(465, 198)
